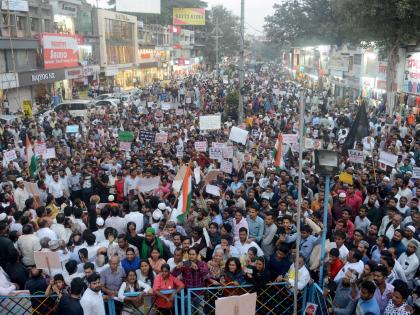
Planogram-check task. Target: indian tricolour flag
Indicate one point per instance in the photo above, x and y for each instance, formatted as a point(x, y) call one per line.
point(277, 152)
point(185, 196)
point(31, 159)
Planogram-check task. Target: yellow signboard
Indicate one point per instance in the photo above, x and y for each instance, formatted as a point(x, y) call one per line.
point(189, 16)
point(27, 108)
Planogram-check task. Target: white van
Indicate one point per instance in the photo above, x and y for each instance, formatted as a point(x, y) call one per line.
point(76, 108)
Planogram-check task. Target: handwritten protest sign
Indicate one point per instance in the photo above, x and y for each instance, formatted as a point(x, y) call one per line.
point(226, 166)
point(213, 190)
point(188, 100)
point(40, 148)
point(179, 112)
point(210, 122)
point(49, 154)
point(148, 136)
point(166, 106)
point(416, 172)
point(388, 158)
point(215, 154)
point(161, 137)
point(125, 146)
point(290, 138)
point(148, 184)
point(200, 146)
point(218, 145)
point(228, 152)
point(179, 151)
point(356, 156)
point(9, 155)
point(238, 135)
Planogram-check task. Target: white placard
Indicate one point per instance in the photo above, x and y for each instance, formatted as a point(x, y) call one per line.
point(218, 145)
point(49, 154)
point(356, 156)
point(215, 154)
point(388, 158)
point(290, 138)
point(188, 100)
point(150, 104)
point(9, 155)
point(315, 133)
point(416, 172)
point(161, 137)
point(309, 143)
point(200, 146)
point(179, 112)
point(210, 122)
point(317, 144)
point(238, 135)
point(179, 151)
point(228, 152)
point(166, 106)
point(148, 184)
point(125, 146)
point(213, 190)
point(40, 148)
point(197, 175)
point(226, 166)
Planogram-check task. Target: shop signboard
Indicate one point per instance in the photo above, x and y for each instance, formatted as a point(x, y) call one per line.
point(15, 5)
point(81, 72)
point(189, 16)
point(60, 50)
point(412, 74)
point(40, 77)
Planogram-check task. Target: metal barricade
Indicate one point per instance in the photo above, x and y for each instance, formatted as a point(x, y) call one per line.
point(275, 298)
point(316, 295)
point(36, 304)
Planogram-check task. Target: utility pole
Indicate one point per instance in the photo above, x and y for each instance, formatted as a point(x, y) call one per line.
point(299, 204)
point(216, 34)
point(241, 65)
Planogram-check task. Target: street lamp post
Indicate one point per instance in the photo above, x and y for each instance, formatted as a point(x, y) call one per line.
point(326, 164)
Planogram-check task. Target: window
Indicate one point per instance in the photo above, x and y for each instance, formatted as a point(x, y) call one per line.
point(77, 106)
point(20, 23)
point(34, 24)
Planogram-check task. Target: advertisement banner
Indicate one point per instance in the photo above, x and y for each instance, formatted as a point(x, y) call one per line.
point(60, 50)
point(412, 74)
point(189, 16)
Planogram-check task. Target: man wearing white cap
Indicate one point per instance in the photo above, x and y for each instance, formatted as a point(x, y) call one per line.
point(20, 195)
point(409, 261)
point(409, 237)
point(99, 233)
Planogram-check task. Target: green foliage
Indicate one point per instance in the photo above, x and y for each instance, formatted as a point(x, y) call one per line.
point(231, 105)
point(299, 22)
point(229, 25)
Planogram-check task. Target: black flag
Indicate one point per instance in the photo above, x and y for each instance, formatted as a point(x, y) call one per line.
point(359, 129)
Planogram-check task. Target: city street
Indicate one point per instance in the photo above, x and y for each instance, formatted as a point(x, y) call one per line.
point(209, 157)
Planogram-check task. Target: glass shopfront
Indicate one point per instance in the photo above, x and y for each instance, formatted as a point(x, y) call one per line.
point(120, 48)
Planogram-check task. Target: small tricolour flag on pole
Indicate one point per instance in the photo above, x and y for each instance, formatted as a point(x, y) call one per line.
point(185, 196)
point(31, 159)
point(277, 152)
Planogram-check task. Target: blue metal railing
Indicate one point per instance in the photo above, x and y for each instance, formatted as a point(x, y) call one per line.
point(274, 298)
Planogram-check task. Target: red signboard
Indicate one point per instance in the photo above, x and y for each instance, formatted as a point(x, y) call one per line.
point(60, 50)
point(175, 29)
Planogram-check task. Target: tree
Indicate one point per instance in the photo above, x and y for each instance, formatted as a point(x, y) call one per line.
point(230, 30)
point(386, 25)
point(231, 107)
point(303, 22)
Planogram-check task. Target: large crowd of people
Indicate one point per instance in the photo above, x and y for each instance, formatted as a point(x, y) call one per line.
point(116, 240)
